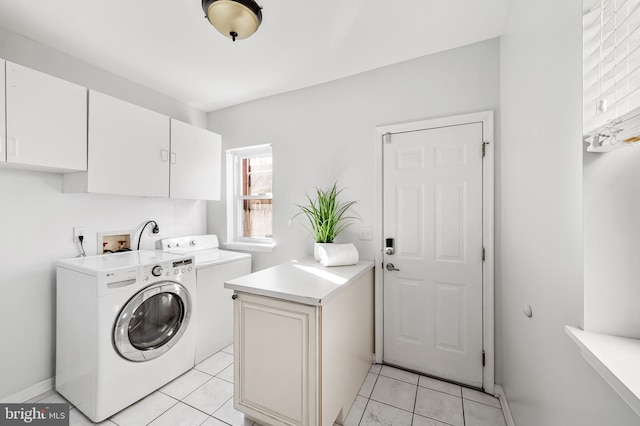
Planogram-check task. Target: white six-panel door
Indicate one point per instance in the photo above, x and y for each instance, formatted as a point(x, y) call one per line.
point(433, 302)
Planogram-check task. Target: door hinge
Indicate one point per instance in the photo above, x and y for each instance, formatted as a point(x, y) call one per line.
point(483, 358)
point(483, 254)
point(484, 148)
point(386, 137)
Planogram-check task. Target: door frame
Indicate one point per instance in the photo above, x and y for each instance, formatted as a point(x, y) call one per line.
point(486, 118)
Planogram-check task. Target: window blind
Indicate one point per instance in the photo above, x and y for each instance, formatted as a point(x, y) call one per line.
point(611, 68)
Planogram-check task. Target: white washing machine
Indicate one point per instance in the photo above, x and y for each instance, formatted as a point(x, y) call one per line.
point(214, 266)
point(125, 326)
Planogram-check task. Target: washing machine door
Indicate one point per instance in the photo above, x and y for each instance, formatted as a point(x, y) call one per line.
point(153, 321)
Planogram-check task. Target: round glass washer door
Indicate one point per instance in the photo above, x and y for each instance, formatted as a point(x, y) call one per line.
point(152, 321)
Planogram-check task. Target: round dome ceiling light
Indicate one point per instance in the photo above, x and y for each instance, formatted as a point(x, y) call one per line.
point(236, 19)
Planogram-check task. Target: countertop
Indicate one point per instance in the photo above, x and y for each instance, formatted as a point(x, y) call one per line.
point(303, 281)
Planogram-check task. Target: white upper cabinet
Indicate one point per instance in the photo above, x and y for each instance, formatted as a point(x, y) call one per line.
point(195, 162)
point(46, 121)
point(128, 148)
point(3, 128)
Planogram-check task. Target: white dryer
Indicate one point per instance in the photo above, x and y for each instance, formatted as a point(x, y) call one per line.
point(125, 326)
point(214, 266)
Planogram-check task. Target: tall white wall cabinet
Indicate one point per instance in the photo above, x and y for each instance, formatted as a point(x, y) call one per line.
point(128, 148)
point(195, 162)
point(46, 121)
point(136, 151)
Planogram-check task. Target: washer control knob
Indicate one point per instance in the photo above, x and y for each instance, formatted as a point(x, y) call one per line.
point(157, 271)
point(169, 245)
point(176, 272)
point(177, 244)
point(184, 270)
point(190, 269)
point(193, 243)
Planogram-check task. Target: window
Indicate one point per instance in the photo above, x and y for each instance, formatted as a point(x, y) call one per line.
point(611, 71)
point(250, 198)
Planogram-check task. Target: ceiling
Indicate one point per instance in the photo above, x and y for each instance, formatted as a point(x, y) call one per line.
point(168, 45)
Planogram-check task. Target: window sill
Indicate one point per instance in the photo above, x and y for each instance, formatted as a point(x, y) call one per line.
point(246, 246)
point(615, 359)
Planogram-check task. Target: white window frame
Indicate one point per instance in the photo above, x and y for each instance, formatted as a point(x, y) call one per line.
point(235, 199)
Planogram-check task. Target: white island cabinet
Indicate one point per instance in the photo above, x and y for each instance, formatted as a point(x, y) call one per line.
point(303, 341)
point(46, 121)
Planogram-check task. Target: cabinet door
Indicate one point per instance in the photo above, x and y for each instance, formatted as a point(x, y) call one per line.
point(128, 148)
point(195, 162)
point(3, 128)
point(275, 356)
point(46, 120)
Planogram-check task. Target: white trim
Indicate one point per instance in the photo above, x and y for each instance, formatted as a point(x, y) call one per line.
point(506, 411)
point(30, 392)
point(247, 246)
point(253, 150)
point(487, 120)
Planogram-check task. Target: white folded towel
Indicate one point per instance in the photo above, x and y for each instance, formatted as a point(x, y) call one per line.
point(338, 254)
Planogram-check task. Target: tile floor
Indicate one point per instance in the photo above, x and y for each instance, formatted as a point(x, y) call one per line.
point(203, 396)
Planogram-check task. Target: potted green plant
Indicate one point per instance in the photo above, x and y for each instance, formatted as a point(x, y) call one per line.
point(327, 216)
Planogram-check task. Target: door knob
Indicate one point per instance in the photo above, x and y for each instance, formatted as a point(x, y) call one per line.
point(391, 267)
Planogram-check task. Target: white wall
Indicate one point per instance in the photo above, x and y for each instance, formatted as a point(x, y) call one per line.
point(36, 221)
point(612, 242)
point(539, 222)
point(325, 133)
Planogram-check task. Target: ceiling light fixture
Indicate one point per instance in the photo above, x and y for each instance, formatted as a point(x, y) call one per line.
point(236, 19)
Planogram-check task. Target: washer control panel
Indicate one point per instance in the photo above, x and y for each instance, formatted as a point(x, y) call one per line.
point(172, 269)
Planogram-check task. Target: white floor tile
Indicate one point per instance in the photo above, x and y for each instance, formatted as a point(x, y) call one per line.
point(375, 368)
point(395, 392)
point(450, 388)
point(477, 414)
point(226, 374)
point(356, 412)
point(210, 396)
point(231, 416)
point(76, 418)
point(185, 384)
point(439, 406)
point(367, 385)
point(215, 363)
point(145, 410)
point(481, 397)
point(423, 421)
point(381, 414)
point(228, 349)
point(180, 415)
point(211, 421)
point(396, 373)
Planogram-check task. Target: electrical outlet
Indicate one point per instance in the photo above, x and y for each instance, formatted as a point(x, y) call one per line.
point(77, 231)
point(366, 233)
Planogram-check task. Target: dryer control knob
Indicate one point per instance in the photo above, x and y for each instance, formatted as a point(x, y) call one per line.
point(157, 271)
point(193, 243)
point(177, 244)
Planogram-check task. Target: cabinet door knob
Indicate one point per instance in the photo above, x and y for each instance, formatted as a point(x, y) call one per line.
point(174, 157)
point(164, 154)
point(234, 297)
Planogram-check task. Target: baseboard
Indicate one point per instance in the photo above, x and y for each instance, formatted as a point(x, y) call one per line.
point(505, 406)
point(30, 392)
